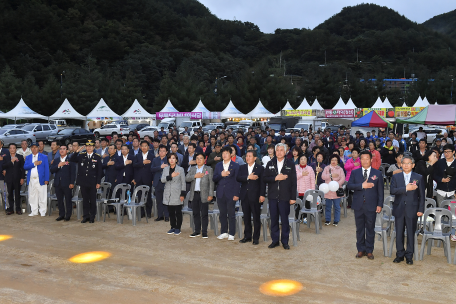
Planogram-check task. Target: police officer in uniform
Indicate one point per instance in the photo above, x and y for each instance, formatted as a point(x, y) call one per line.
point(89, 178)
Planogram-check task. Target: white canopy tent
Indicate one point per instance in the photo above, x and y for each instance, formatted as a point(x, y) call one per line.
point(66, 111)
point(260, 112)
point(22, 111)
point(387, 104)
point(316, 105)
point(350, 104)
point(304, 105)
point(420, 103)
point(287, 106)
point(231, 112)
point(137, 112)
point(426, 101)
point(378, 104)
point(404, 105)
point(169, 107)
point(340, 105)
point(102, 112)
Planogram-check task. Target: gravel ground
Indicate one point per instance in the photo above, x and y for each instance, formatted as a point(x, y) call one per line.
point(147, 265)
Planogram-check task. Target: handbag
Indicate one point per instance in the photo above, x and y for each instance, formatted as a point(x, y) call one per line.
point(340, 192)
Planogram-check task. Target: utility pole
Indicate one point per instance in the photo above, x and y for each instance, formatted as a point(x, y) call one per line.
point(325, 57)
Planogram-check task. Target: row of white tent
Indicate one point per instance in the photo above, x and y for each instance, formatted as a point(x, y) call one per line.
point(102, 110)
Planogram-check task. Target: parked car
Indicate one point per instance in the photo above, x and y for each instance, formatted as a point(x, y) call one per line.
point(111, 129)
point(40, 131)
point(138, 127)
point(189, 124)
point(14, 126)
point(431, 133)
point(15, 136)
point(66, 136)
point(147, 131)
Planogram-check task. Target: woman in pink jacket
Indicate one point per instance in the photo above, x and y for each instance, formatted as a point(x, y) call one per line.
point(333, 172)
point(305, 177)
point(352, 163)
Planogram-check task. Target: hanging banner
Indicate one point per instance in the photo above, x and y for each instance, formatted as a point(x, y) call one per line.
point(383, 112)
point(339, 113)
point(407, 111)
point(296, 112)
point(191, 115)
point(212, 115)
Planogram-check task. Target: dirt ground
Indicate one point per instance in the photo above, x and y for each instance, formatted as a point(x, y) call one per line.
point(149, 266)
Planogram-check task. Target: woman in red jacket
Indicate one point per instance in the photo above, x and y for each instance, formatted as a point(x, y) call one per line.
point(376, 157)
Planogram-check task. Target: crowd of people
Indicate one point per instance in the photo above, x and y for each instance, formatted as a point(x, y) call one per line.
point(246, 166)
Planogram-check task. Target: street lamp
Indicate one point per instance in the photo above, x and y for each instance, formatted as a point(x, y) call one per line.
point(216, 79)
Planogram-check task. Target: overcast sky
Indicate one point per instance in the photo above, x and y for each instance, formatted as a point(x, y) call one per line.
point(286, 14)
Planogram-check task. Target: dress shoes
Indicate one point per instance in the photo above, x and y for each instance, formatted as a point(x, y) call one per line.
point(409, 261)
point(67, 219)
point(84, 220)
point(19, 212)
point(92, 221)
point(398, 259)
point(245, 240)
point(274, 245)
point(166, 219)
point(370, 256)
point(286, 246)
point(159, 219)
point(255, 242)
point(9, 212)
point(360, 254)
point(60, 218)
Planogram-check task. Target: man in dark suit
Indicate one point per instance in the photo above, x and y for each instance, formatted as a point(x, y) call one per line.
point(13, 166)
point(250, 176)
point(280, 175)
point(142, 165)
point(88, 178)
point(3, 153)
point(158, 164)
point(225, 175)
point(124, 167)
point(64, 178)
point(108, 165)
point(367, 184)
point(189, 157)
point(408, 190)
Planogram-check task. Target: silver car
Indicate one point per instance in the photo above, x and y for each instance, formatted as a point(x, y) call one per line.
point(147, 131)
point(15, 136)
point(40, 131)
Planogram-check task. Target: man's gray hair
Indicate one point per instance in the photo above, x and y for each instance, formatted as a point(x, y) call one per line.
point(186, 137)
point(281, 145)
point(407, 156)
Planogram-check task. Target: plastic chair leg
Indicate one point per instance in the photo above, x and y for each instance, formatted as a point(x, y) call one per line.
point(385, 243)
point(294, 234)
point(423, 244)
point(448, 248)
point(393, 238)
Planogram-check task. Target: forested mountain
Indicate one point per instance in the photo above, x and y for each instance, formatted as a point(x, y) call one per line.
point(153, 50)
point(444, 23)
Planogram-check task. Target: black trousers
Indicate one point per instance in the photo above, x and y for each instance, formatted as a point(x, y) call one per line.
point(365, 225)
point(402, 223)
point(64, 193)
point(251, 208)
point(227, 206)
point(14, 195)
point(162, 210)
point(279, 208)
point(175, 216)
point(200, 213)
point(89, 201)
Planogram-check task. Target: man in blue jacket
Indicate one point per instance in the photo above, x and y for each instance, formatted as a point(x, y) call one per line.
point(64, 178)
point(37, 167)
point(367, 184)
point(228, 188)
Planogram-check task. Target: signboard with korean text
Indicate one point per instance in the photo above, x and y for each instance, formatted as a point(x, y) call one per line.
point(296, 112)
point(191, 115)
point(339, 113)
point(383, 112)
point(407, 111)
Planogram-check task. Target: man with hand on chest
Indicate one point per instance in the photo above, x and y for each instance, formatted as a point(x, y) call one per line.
point(64, 177)
point(89, 179)
point(124, 167)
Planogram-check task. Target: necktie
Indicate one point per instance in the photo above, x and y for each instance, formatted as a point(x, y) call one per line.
point(407, 179)
point(365, 174)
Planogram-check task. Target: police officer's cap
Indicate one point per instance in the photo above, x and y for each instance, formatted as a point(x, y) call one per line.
point(90, 143)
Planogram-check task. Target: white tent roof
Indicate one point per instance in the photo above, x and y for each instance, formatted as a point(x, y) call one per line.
point(304, 105)
point(404, 105)
point(201, 108)
point(287, 106)
point(426, 102)
point(65, 111)
point(316, 105)
point(231, 112)
point(420, 103)
point(101, 112)
point(378, 104)
point(340, 105)
point(169, 107)
point(387, 104)
point(260, 112)
point(22, 111)
point(137, 111)
point(350, 105)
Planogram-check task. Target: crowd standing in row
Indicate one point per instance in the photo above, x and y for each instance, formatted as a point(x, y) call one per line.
point(247, 166)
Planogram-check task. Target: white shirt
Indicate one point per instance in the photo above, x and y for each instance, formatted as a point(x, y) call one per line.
point(443, 193)
point(125, 158)
point(62, 159)
point(420, 135)
point(119, 152)
point(89, 155)
point(198, 180)
point(145, 155)
point(368, 171)
point(104, 151)
point(407, 178)
point(280, 165)
point(250, 168)
point(226, 166)
point(34, 171)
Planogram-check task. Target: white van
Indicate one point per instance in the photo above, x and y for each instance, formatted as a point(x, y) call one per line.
point(190, 125)
point(59, 122)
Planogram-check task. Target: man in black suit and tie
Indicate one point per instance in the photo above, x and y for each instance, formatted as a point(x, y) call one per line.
point(64, 177)
point(142, 172)
point(250, 176)
point(280, 175)
point(158, 164)
point(409, 197)
point(124, 167)
point(13, 165)
point(108, 164)
point(367, 184)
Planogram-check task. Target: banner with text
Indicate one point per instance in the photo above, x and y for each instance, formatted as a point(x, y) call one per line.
point(407, 111)
point(296, 112)
point(382, 112)
point(339, 113)
point(191, 115)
